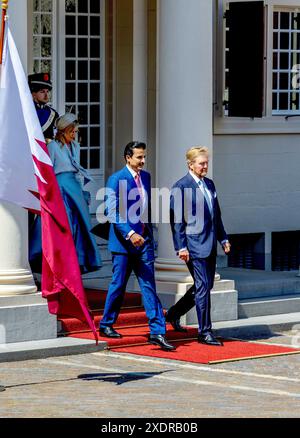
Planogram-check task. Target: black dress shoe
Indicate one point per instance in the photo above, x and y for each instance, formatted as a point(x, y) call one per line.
point(109, 332)
point(175, 323)
point(161, 341)
point(209, 339)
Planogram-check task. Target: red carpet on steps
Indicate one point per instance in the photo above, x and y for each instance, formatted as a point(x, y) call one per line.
point(132, 324)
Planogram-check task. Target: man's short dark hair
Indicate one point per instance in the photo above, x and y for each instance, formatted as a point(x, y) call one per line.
point(129, 148)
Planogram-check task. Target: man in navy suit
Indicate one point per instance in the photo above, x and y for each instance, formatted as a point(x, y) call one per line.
point(131, 244)
point(196, 227)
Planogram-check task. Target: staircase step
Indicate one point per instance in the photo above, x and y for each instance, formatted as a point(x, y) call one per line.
point(96, 299)
point(273, 305)
point(129, 317)
point(139, 335)
point(258, 284)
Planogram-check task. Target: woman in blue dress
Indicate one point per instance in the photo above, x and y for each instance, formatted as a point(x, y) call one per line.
point(64, 152)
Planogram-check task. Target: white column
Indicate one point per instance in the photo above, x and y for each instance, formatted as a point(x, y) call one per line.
point(184, 117)
point(15, 274)
point(18, 14)
point(139, 131)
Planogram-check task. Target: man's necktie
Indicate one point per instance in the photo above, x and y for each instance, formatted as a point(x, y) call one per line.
point(138, 182)
point(208, 199)
point(139, 186)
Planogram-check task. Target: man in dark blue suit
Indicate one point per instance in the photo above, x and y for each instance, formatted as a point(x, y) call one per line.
point(196, 227)
point(131, 243)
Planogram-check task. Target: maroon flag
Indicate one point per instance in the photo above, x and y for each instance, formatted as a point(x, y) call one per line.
point(61, 278)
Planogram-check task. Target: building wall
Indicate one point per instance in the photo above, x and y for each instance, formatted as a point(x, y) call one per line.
point(257, 178)
point(123, 78)
point(17, 11)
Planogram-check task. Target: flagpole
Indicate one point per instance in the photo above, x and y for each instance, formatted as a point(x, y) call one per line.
point(4, 8)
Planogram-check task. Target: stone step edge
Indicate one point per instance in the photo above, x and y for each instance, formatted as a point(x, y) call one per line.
point(269, 299)
point(29, 350)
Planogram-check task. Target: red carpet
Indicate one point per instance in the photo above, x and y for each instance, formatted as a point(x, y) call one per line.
point(132, 324)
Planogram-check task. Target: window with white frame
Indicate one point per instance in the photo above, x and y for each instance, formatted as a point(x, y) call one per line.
point(286, 62)
point(42, 31)
point(261, 75)
point(68, 41)
point(74, 61)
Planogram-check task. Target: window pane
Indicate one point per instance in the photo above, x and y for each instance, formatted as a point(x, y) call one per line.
point(94, 159)
point(284, 81)
point(94, 6)
point(284, 40)
point(46, 47)
point(36, 21)
point(95, 25)
point(83, 114)
point(296, 21)
point(83, 138)
point(94, 48)
point(82, 25)
point(83, 158)
point(95, 92)
point(283, 101)
point(83, 70)
point(94, 136)
point(70, 25)
point(82, 47)
point(70, 93)
point(70, 48)
point(94, 114)
point(46, 66)
point(82, 6)
point(284, 20)
point(275, 85)
point(275, 41)
point(275, 60)
point(274, 101)
point(70, 70)
point(284, 61)
point(46, 24)
point(294, 102)
point(275, 20)
point(82, 93)
point(95, 70)
point(70, 5)
point(46, 5)
point(36, 5)
point(36, 47)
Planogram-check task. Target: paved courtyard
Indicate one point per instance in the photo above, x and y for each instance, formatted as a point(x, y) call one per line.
point(111, 385)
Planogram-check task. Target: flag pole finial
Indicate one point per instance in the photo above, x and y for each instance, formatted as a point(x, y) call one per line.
point(4, 7)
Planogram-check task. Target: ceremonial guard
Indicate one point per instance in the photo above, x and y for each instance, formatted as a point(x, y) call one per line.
point(40, 86)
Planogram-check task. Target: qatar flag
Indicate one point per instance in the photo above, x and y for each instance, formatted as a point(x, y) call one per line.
point(27, 178)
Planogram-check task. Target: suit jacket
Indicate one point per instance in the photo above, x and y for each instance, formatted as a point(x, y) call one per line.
point(193, 225)
point(125, 211)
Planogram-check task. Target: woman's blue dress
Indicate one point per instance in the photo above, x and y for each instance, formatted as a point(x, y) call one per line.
point(67, 169)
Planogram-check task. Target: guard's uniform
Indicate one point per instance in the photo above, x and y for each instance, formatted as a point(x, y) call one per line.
point(47, 117)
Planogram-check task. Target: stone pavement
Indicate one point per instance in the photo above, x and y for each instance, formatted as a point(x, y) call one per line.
point(111, 385)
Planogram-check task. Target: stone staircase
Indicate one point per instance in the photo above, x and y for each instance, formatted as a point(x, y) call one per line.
point(263, 293)
point(239, 294)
